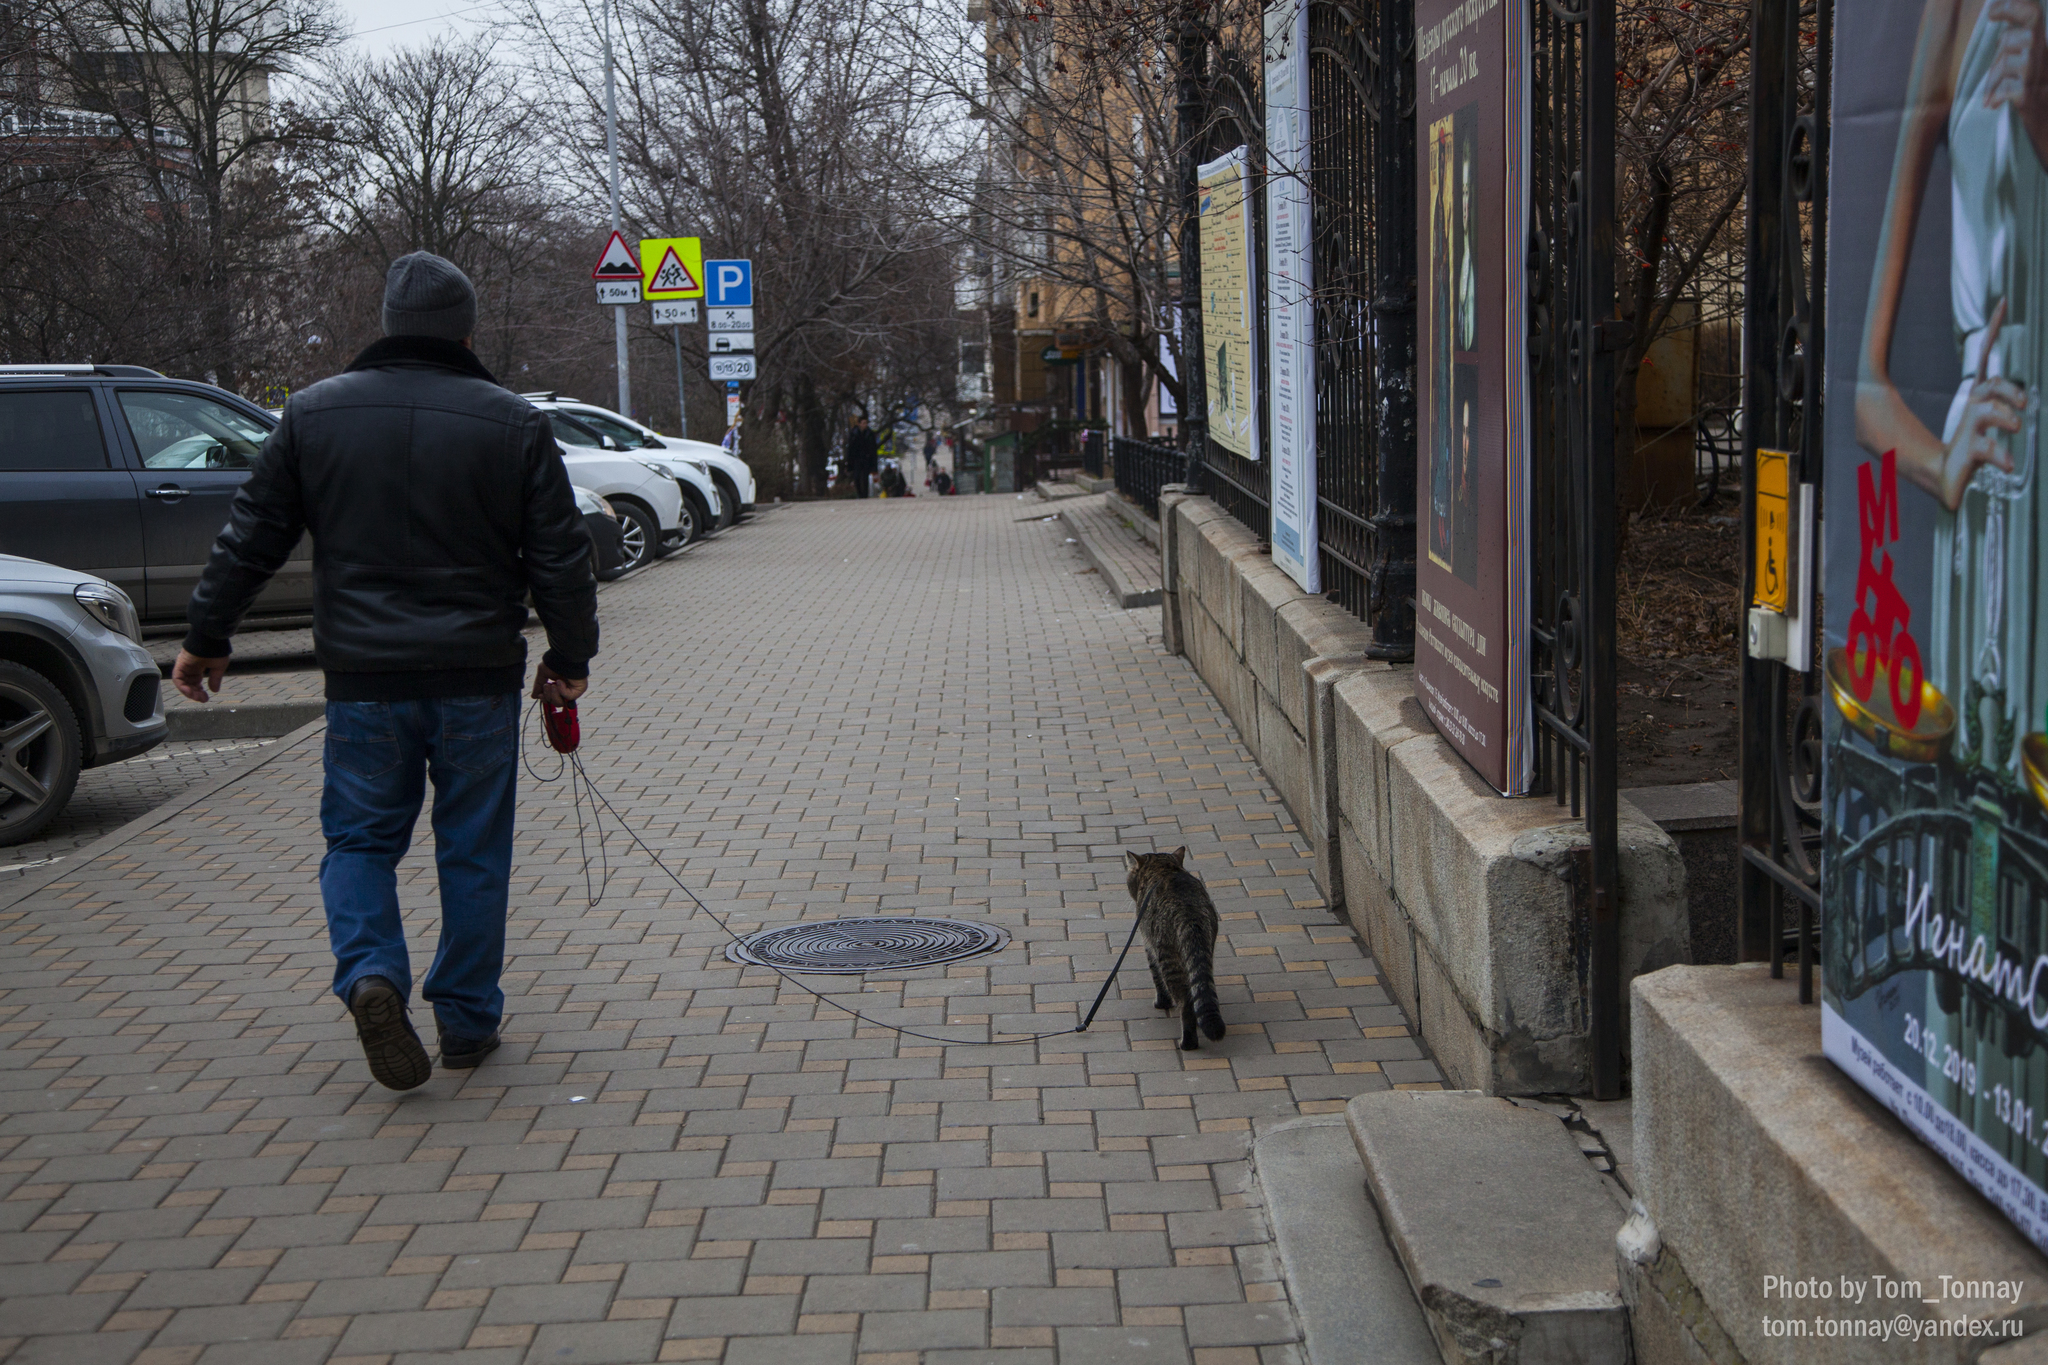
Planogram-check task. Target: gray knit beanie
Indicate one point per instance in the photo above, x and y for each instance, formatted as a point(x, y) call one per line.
point(426, 296)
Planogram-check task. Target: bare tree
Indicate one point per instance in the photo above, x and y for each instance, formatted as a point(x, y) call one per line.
point(186, 87)
point(792, 132)
point(432, 149)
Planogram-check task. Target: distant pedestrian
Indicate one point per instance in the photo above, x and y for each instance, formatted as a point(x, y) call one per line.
point(439, 506)
point(863, 454)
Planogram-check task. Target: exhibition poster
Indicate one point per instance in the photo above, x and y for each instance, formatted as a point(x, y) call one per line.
point(1290, 307)
point(1471, 531)
point(1934, 708)
point(1227, 354)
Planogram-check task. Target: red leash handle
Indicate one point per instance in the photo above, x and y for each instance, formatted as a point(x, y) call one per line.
point(563, 730)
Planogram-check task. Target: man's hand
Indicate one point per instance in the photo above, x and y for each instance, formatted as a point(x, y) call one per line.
point(194, 676)
point(552, 688)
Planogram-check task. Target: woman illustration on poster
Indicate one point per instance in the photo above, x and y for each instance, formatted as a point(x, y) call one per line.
point(1441, 341)
point(1453, 329)
point(1980, 81)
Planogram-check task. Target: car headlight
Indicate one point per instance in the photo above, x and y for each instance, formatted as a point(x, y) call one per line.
point(111, 607)
point(702, 467)
point(650, 466)
point(604, 505)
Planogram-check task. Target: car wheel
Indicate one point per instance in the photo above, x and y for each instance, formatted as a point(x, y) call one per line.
point(642, 533)
point(728, 494)
point(39, 752)
point(693, 518)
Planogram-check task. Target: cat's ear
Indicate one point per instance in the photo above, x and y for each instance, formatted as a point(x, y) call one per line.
point(1180, 855)
point(1131, 860)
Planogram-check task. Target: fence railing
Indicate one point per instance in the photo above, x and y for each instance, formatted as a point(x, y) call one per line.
point(1142, 469)
point(1243, 488)
point(1091, 453)
point(1779, 815)
point(1361, 72)
point(1571, 255)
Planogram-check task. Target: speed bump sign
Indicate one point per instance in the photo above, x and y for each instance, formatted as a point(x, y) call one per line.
point(673, 267)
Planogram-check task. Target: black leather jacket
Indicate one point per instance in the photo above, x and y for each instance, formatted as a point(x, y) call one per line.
point(437, 502)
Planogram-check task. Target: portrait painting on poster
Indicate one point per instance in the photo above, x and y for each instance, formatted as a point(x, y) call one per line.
point(1471, 560)
point(1933, 713)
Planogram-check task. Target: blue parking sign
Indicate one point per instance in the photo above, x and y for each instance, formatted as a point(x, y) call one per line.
point(729, 284)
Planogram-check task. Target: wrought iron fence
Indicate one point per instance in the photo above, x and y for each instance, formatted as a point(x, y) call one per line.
point(1091, 453)
point(1142, 469)
point(1243, 488)
point(1572, 339)
point(1778, 803)
point(1362, 208)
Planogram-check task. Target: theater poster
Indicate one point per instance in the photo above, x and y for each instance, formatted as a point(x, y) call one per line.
point(1934, 705)
point(1471, 555)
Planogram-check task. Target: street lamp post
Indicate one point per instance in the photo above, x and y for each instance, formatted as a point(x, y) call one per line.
point(611, 143)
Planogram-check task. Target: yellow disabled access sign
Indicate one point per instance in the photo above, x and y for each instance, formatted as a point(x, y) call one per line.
point(673, 267)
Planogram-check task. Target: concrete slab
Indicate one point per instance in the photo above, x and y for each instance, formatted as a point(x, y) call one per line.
point(1347, 1286)
point(1504, 1229)
point(1732, 1092)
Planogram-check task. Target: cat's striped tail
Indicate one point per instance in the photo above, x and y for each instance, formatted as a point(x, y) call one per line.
point(1197, 955)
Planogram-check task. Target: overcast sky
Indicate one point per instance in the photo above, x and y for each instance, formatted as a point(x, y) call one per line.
point(382, 25)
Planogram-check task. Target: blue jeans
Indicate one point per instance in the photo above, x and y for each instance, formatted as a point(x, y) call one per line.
point(379, 756)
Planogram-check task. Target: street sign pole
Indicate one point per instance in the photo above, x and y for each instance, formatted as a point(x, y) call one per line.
point(683, 402)
point(611, 143)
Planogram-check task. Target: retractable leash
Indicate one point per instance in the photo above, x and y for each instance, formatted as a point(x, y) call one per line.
point(564, 736)
point(563, 730)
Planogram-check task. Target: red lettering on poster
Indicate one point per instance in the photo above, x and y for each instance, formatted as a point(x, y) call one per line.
point(1878, 634)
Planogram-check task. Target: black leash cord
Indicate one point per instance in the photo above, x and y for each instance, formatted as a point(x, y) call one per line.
point(580, 783)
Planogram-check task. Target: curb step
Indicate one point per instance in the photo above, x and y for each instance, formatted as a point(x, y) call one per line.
point(1129, 567)
point(1347, 1287)
point(255, 720)
point(1503, 1226)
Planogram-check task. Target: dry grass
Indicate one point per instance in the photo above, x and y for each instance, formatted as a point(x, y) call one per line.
point(1678, 586)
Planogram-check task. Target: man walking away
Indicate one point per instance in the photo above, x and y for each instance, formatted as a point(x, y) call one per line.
point(863, 454)
point(438, 504)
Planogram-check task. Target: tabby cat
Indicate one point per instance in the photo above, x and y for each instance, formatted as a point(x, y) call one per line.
point(1179, 924)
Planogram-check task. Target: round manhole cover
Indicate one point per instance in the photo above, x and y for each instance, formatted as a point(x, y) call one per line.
point(849, 946)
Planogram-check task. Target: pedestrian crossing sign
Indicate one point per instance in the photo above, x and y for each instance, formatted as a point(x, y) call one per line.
point(674, 266)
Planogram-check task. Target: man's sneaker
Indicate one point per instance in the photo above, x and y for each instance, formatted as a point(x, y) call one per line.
point(460, 1054)
point(390, 1046)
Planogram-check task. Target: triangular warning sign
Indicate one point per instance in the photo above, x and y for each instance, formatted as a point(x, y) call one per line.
point(671, 274)
point(617, 263)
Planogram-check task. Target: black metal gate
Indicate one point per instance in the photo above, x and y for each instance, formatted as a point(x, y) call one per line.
point(1573, 336)
point(1362, 205)
point(1779, 812)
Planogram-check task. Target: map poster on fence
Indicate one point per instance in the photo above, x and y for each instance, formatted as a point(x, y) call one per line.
point(1227, 357)
point(1933, 715)
point(1473, 366)
point(1290, 307)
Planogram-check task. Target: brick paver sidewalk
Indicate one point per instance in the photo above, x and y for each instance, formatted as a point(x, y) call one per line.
point(897, 705)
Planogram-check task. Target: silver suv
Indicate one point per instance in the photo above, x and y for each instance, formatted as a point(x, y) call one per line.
point(77, 689)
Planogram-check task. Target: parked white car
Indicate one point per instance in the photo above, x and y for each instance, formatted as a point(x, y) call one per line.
point(700, 498)
point(647, 500)
point(734, 479)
